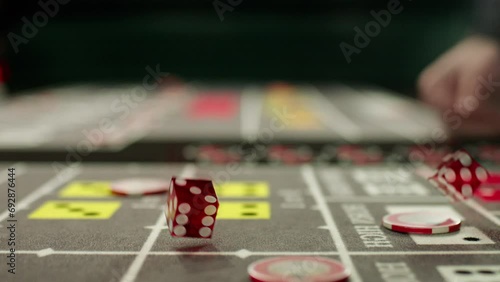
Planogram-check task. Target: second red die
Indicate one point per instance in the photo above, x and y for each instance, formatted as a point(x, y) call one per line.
point(192, 207)
point(459, 175)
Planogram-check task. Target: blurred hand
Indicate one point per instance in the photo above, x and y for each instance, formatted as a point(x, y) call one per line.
point(464, 85)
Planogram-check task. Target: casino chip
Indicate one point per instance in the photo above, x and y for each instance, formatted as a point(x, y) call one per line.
point(298, 269)
point(422, 222)
point(139, 186)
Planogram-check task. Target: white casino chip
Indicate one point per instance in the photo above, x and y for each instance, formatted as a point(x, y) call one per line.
point(422, 222)
point(139, 186)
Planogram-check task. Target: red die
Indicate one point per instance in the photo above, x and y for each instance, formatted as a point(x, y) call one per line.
point(459, 175)
point(191, 208)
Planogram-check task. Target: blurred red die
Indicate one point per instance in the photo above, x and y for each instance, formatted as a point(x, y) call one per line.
point(459, 175)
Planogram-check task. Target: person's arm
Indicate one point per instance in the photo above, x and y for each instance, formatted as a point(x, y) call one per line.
point(464, 82)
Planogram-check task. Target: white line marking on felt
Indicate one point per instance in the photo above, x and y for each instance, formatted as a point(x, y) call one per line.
point(133, 270)
point(380, 199)
point(424, 253)
point(313, 185)
point(334, 118)
point(243, 253)
point(249, 253)
point(49, 186)
point(45, 252)
point(49, 251)
point(136, 265)
point(154, 226)
point(496, 212)
point(188, 171)
point(173, 253)
point(484, 212)
point(240, 253)
point(251, 112)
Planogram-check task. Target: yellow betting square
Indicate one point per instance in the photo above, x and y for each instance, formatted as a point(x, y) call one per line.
point(244, 210)
point(86, 189)
point(242, 189)
point(75, 210)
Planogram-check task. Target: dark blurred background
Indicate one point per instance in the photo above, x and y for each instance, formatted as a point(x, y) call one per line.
point(114, 40)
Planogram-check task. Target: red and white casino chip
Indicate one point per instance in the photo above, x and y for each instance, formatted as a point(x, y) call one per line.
point(298, 268)
point(422, 222)
point(139, 186)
